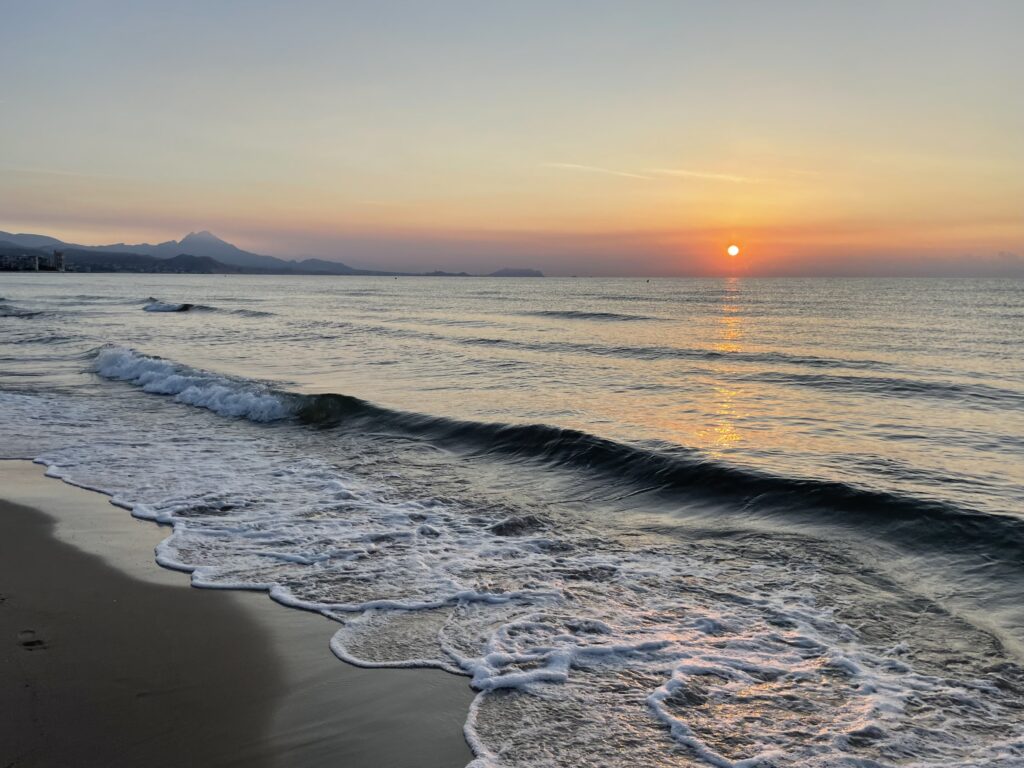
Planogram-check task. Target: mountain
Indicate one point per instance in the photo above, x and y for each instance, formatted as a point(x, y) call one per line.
point(202, 244)
point(30, 241)
point(207, 244)
point(110, 261)
point(78, 260)
point(220, 255)
point(11, 248)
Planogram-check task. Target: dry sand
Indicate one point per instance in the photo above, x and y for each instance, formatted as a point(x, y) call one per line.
point(108, 660)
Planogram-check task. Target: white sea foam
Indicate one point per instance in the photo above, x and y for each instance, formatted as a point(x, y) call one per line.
point(588, 644)
point(220, 394)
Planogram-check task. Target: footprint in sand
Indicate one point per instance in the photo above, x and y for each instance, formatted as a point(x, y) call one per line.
point(28, 640)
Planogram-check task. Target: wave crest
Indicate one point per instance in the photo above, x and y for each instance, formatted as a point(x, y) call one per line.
point(223, 395)
point(670, 472)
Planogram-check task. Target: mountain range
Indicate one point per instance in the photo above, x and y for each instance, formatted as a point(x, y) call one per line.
point(211, 251)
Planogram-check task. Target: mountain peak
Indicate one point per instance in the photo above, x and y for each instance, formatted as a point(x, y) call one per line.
point(205, 243)
point(204, 235)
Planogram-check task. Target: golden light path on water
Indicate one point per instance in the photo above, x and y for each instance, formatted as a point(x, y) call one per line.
point(722, 432)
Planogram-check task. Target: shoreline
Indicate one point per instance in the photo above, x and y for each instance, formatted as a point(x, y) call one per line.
point(109, 659)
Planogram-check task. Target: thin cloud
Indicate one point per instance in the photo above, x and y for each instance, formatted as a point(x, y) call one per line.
point(685, 173)
point(651, 173)
point(58, 172)
point(596, 169)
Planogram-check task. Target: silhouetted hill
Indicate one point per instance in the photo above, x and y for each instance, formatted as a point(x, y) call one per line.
point(208, 254)
point(9, 246)
point(199, 244)
point(78, 260)
point(103, 261)
point(29, 241)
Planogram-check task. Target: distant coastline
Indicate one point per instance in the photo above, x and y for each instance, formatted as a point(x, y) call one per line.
point(197, 253)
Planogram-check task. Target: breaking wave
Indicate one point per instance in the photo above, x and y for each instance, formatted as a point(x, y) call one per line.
point(221, 394)
point(670, 472)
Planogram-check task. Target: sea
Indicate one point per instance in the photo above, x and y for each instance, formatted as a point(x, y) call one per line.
point(666, 522)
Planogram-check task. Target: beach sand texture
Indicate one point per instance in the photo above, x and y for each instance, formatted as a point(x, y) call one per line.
point(109, 660)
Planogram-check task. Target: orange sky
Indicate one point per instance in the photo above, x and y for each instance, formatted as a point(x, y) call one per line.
point(637, 138)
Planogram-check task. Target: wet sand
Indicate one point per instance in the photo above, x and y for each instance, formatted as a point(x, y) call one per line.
point(108, 660)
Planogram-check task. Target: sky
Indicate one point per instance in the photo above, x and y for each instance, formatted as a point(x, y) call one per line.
point(597, 138)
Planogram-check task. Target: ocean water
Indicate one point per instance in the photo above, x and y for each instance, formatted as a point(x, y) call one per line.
point(666, 523)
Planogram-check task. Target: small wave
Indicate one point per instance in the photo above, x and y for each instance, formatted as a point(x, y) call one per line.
point(162, 306)
point(977, 394)
point(8, 310)
point(52, 338)
point(155, 305)
point(91, 298)
point(582, 315)
point(651, 353)
point(245, 312)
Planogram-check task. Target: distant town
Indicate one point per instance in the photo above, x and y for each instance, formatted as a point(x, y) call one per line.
point(32, 262)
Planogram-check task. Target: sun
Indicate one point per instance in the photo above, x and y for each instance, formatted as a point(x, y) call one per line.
point(733, 250)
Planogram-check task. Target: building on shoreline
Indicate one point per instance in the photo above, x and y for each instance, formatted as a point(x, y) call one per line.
point(32, 262)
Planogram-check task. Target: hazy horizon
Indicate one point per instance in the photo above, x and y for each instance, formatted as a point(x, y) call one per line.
point(619, 139)
point(1002, 264)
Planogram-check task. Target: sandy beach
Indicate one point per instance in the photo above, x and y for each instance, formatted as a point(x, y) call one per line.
point(107, 659)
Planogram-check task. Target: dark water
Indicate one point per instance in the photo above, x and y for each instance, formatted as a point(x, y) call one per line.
point(707, 522)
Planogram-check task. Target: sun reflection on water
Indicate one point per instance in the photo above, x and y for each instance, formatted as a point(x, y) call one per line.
point(721, 433)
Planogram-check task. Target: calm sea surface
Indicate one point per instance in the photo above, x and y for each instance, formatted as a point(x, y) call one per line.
point(667, 522)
